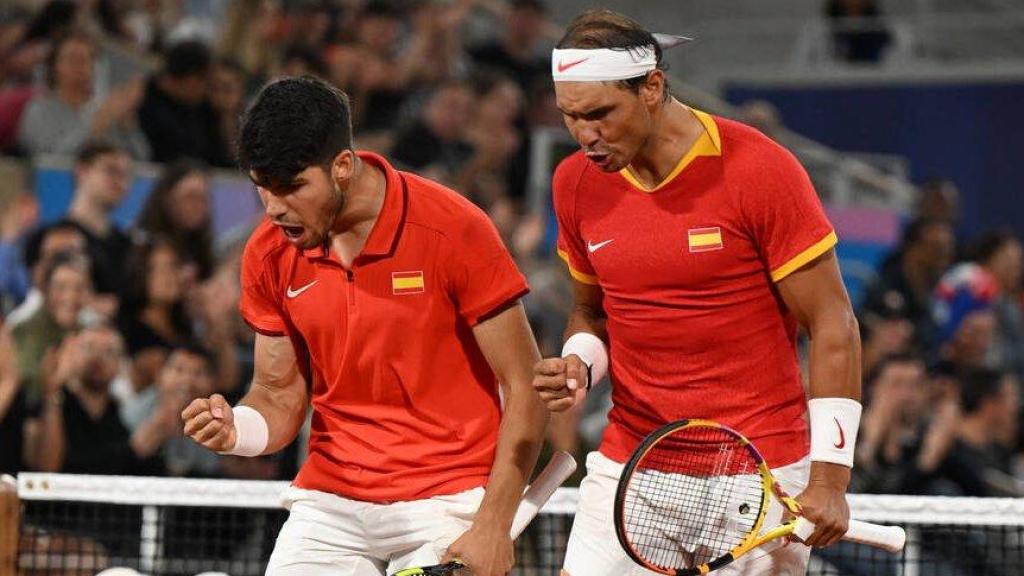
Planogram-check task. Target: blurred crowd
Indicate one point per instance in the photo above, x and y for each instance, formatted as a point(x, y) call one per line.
point(107, 333)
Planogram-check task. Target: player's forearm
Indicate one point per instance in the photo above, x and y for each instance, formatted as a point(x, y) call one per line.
point(508, 345)
point(835, 367)
point(282, 407)
point(835, 363)
point(585, 318)
point(519, 441)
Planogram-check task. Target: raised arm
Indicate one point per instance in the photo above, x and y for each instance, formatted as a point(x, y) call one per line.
point(560, 382)
point(277, 396)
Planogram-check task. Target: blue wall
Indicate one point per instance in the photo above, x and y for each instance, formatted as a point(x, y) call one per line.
point(971, 134)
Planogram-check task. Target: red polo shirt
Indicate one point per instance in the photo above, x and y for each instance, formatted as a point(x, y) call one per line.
point(405, 405)
point(696, 325)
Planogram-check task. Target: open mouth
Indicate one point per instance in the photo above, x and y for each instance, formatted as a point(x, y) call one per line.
point(598, 157)
point(292, 232)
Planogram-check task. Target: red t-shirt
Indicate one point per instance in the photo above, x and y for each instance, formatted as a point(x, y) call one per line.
point(696, 327)
point(405, 406)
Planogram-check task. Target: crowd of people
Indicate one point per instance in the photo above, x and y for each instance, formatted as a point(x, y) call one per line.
point(108, 333)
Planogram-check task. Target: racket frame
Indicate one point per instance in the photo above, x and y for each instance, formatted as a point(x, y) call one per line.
point(753, 539)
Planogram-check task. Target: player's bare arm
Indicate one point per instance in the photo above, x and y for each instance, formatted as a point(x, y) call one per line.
point(560, 382)
point(507, 342)
point(278, 394)
point(817, 298)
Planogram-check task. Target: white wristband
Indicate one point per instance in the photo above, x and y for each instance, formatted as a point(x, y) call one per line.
point(251, 432)
point(834, 424)
point(591, 350)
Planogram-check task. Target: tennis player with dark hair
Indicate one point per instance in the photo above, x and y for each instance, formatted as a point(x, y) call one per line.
point(698, 247)
point(389, 303)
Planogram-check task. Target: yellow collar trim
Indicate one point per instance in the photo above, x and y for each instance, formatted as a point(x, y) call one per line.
point(709, 144)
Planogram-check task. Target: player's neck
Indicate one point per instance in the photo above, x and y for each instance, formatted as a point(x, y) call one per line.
point(676, 130)
point(364, 200)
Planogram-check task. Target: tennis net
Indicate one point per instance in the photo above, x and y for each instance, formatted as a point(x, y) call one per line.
point(76, 525)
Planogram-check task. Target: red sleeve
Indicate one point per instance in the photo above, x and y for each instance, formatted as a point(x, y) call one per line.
point(784, 214)
point(259, 307)
point(570, 244)
point(482, 277)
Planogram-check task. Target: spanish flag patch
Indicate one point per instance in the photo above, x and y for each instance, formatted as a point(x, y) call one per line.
point(705, 239)
point(407, 282)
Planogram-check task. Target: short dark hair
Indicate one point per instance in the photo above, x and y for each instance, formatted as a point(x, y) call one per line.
point(66, 259)
point(187, 58)
point(989, 244)
point(978, 385)
point(601, 28)
point(34, 241)
point(293, 124)
point(915, 231)
point(93, 149)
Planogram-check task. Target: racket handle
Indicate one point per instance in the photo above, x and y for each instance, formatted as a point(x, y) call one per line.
point(888, 538)
point(559, 468)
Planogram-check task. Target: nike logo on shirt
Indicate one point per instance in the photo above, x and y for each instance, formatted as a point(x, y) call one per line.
point(591, 247)
point(293, 293)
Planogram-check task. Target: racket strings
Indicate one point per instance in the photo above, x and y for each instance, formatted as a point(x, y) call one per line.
point(692, 498)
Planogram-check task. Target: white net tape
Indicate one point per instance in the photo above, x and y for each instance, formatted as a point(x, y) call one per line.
point(153, 491)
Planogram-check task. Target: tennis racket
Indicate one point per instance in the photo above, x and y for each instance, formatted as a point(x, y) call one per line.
point(693, 498)
point(558, 469)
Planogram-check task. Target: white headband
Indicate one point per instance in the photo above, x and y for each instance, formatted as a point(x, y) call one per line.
point(604, 64)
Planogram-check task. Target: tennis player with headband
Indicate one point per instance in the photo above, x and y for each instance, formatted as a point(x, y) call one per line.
point(698, 247)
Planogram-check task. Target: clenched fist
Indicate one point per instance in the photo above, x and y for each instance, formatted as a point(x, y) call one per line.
point(561, 382)
point(211, 423)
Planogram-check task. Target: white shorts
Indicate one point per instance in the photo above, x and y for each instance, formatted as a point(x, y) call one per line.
point(594, 550)
point(328, 534)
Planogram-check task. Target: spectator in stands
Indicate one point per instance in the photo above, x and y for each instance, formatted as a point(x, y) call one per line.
point(939, 199)
point(979, 463)
point(436, 140)
point(154, 415)
point(521, 52)
point(65, 286)
point(301, 60)
point(153, 317)
point(17, 61)
point(61, 119)
point(379, 75)
point(41, 247)
point(17, 217)
point(103, 174)
point(911, 273)
point(178, 211)
point(1000, 254)
point(497, 170)
point(885, 331)
point(859, 33)
point(12, 408)
point(906, 435)
point(176, 113)
point(964, 316)
point(80, 430)
point(163, 307)
point(227, 96)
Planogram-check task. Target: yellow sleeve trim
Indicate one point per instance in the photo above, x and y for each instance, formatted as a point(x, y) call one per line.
point(798, 261)
point(580, 276)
